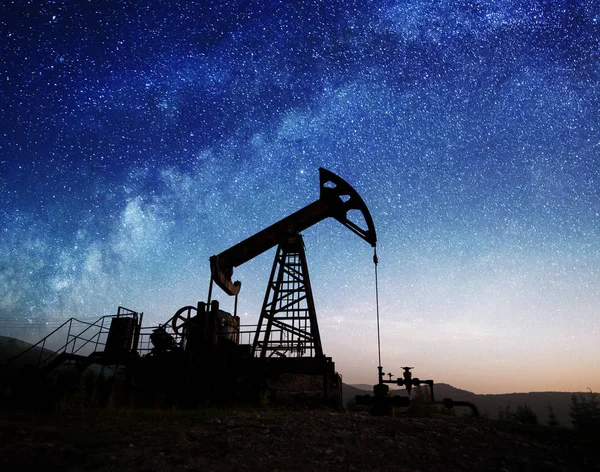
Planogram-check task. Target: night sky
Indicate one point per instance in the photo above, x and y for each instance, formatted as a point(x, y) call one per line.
point(137, 139)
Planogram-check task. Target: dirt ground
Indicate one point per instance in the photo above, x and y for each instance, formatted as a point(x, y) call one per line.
point(281, 440)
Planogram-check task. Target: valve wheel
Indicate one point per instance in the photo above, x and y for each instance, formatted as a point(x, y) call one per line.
point(180, 318)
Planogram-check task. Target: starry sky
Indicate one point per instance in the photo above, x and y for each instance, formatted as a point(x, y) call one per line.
point(137, 139)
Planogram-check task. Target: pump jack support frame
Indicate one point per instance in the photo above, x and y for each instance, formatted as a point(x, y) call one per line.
point(288, 307)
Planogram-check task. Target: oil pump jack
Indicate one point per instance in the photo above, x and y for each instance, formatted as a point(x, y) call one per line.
point(286, 356)
point(289, 305)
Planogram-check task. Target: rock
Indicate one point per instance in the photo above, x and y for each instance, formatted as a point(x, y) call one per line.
point(471, 430)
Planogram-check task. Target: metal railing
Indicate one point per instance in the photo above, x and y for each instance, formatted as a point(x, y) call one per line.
point(82, 338)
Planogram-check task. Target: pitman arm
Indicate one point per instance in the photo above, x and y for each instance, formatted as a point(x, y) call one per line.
point(337, 198)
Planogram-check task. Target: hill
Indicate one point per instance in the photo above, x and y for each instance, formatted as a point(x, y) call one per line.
point(10, 347)
point(350, 391)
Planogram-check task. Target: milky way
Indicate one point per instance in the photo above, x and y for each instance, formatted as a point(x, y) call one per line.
point(137, 139)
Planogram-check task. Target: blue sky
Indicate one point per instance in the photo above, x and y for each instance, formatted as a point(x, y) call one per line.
point(138, 139)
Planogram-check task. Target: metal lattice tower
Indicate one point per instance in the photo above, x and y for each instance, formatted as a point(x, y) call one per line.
point(288, 321)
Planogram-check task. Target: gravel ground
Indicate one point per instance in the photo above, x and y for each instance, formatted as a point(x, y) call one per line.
point(282, 440)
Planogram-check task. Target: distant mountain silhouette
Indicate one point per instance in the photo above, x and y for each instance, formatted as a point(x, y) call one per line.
point(350, 391)
point(10, 347)
point(490, 403)
point(366, 387)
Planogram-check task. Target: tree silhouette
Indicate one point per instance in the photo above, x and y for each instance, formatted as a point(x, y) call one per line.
point(523, 414)
point(552, 418)
point(585, 412)
point(421, 401)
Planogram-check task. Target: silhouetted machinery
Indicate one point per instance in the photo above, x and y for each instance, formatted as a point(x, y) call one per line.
point(196, 356)
point(285, 361)
point(382, 403)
